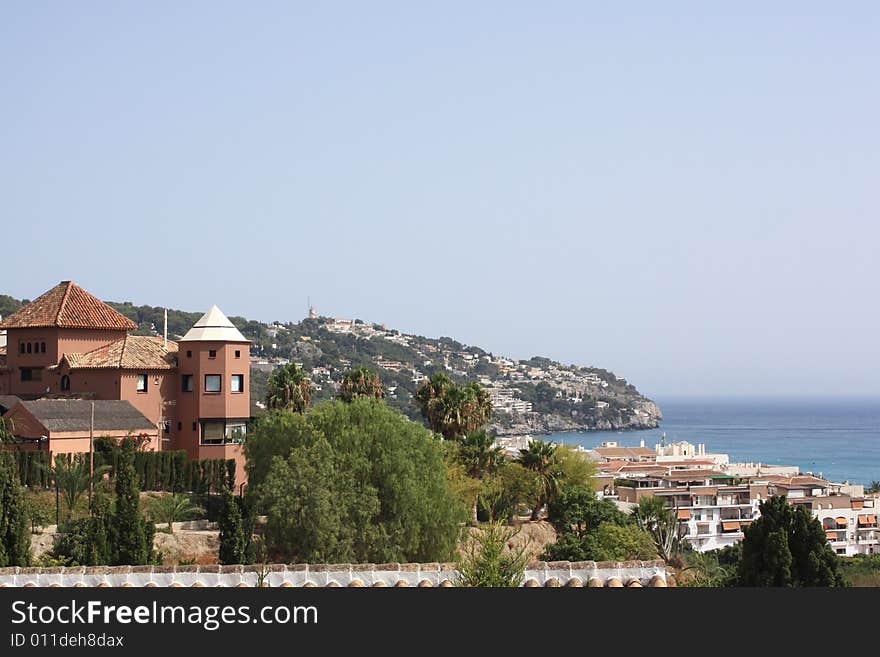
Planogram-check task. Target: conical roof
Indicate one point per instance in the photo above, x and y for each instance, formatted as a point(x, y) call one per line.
point(214, 326)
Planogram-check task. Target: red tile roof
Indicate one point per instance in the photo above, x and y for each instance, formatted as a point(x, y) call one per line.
point(133, 352)
point(67, 305)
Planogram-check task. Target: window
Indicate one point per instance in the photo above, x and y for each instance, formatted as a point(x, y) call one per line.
point(189, 353)
point(195, 424)
point(213, 382)
point(213, 432)
point(235, 432)
point(21, 347)
point(65, 382)
point(237, 353)
point(42, 347)
point(186, 382)
point(31, 373)
point(166, 427)
point(237, 383)
point(218, 432)
point(141, 385)
point(212, 353)
point(180, 426)
point(29, 347)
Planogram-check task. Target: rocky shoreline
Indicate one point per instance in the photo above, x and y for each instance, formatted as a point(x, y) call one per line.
point(646, 415)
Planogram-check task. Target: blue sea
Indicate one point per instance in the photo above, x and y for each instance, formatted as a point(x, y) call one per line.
point(839, 438)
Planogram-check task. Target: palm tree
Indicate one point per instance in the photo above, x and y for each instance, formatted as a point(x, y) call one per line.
point(360, 382)
point(539, 457)
point(429, 399)
point(478, 454)
point(453, 410)
point(289, 389)
point(172, 508)
point(661, 523)
point(71, 477)
point(874, 487)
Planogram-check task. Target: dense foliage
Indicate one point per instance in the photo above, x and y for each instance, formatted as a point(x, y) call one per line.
point(787, 547)
point(360, 382)
point(233, 539)
point(131, 534)
point(451, 409)
point(352, 482)
point(15, 542)
point(289, 388)
point(489, 561)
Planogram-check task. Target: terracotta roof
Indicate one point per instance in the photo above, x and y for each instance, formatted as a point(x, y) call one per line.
point(133, 352)
point(624, 452)
point(74, 415)
point(67, 305)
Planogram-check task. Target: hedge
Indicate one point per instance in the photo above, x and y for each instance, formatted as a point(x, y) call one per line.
point(156, 471)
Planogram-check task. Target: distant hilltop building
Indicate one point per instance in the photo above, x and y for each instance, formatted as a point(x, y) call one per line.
point(313, 314)
point(67, 346)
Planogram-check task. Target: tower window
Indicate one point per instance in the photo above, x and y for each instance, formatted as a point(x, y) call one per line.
point(21, 347)
point(141, 384)
point(212, 353)
point(29, 347)
point(213, 382)
point(189, 353)
point(237, 383)
point(65, 382)
point(186, 382)
point(42, 347)
point(180, 426)
point(238, 353)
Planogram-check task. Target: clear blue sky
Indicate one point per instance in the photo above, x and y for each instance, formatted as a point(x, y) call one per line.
point(683, 193)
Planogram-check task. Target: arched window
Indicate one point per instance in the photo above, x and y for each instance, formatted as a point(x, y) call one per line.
point(42, 347)
point(65, 382)
point(30, 347)
point(21, 347)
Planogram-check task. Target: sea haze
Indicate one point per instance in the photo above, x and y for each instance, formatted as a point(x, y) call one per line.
point(837, 437)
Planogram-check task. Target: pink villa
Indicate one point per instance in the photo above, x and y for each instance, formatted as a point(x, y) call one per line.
point(67, 348)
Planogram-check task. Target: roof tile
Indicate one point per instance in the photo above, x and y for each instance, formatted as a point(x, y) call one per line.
point(133, 352)
point(67, 305)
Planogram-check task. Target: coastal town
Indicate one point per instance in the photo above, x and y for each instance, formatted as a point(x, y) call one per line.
point(75, 371)
point(714, 499)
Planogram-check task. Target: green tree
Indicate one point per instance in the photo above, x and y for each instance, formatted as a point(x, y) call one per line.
point(787, 547)
point(71, 475)
point(233, 540)
point(874, 487)
point(289, 388)
point(504, 489)
point(360, 382)
point(131, 536)
point(478, 454)
point(86, 541)
point(661, 524)
point(365, 485)
point(611, 542)
point(577, 509)
point(15, 540)
point(538, 457)
point(172, 508)
point(274, 434)
point(488, 561)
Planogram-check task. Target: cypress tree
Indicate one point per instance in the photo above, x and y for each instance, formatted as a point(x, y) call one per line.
point(15, 540)
point(129, 531)
point(233, 541)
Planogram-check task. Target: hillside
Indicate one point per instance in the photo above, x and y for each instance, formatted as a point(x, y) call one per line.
point(534, 396)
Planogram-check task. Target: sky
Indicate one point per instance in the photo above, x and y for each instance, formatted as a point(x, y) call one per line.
point(685, 194)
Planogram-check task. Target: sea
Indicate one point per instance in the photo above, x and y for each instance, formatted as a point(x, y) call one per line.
point(836, 438)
